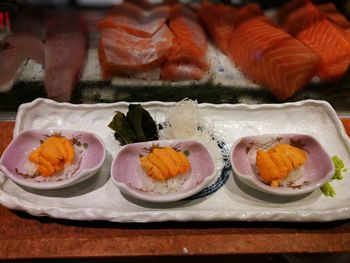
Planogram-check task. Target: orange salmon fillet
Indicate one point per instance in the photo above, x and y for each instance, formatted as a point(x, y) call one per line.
point(218, 21)
point(180, 71)
point(132, 25)
point(189, 49)
point(271, 57)
point(120, 52)
point(309, 25)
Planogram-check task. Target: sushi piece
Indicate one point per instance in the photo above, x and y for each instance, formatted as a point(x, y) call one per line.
point(280, 164)
point(53, 155)
point(122, 53)
point(65, 53)
point(270, 57)
point(311, 26)
point(164, 163)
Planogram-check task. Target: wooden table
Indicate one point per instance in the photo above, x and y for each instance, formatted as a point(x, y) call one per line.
point(25, 236)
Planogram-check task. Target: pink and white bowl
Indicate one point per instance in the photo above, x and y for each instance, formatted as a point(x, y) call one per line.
point(15, 156)
point(318, 168)
point(128, 175)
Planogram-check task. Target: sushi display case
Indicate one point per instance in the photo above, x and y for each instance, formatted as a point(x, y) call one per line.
point(228, 71)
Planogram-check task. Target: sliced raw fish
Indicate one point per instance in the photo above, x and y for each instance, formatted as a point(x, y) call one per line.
point(153, 74)
point(10, 61)
point(271, 57)
point(133, 26)
point(122, 53)
point(65, 52)
point(333, 14)
point(134, 11)
point(189, 49)
point(309, 25)
point(30, 21)
point(30, 46)
point(288, 8)
point(189, 34)
point(218, 21)
point(180, 71)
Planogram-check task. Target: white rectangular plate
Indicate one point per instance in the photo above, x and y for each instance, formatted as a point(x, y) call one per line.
point(98, 199)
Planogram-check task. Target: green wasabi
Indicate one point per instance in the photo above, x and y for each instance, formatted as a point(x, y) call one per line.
point(339, 166)
point(327, 189)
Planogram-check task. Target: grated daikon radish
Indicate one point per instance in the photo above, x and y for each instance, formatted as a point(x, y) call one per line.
point(184, 121)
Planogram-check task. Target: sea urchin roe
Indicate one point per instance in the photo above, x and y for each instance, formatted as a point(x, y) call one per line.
point(52, 155)
point(275, 164)
point(164, 163)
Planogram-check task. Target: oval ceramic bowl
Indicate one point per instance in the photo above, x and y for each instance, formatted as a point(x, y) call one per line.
point(129, 177)
point(318, 169)
point(90, 146)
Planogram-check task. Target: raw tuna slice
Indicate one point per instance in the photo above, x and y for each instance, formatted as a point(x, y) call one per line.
point(309, 25)
point(132, 25)
point(28, 34)
point(65, 52)
point(30, 46)
point(271, 57)
point(122, 53)
point(10, 61)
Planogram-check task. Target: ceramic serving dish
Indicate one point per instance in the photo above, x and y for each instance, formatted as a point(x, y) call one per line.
point(88, 146)
point(231, 199)
point(129, 177)
point(318, 168)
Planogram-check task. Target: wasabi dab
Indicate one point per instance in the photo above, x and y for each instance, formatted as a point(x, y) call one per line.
point(339, 168)
point(338, 163)
point(328, 190)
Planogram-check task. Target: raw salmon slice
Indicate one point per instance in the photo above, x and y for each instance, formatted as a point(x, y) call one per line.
point(218, 20)
point(309, 25)
point(132, 25)
point(288, 8)
point(333, 14)
point(271, 57)
point(134, 11)
point(187, 58)
point(192, 44)
point(181, 71)
point(122, 53)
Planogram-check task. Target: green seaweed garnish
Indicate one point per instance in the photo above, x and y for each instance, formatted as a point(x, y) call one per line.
point(124, 132)
point(136, 126)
